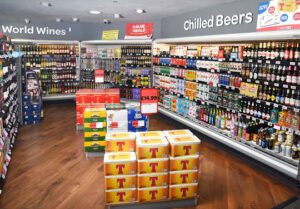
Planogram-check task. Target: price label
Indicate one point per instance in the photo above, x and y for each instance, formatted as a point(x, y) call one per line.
point(297, 132)
point(259, 61)
point(258, 101)
point(270, 124)
point(276, 84)
point(268, 103)
point(285, 86)
point(257, 82)
point(293, 87)
point(296, 110)
point(149, 100)
point(275, 105)
point(233, 111)
point(284, 107)
point(268, 61)
point(292, 63)
point(266, 83)
point(240, 97)
point(248, 117)
point(248, 80)
point(261, 121)
point(250, 60)
point(277, 62)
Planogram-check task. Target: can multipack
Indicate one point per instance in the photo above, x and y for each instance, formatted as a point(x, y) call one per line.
point(120, 142)
point(153, 165)
point(152, 179)
point(120, 182)
point(152, 194)
point(190, 162)
point(183, 191)
point(152, 148)
point(119, 163)
point(184, 145)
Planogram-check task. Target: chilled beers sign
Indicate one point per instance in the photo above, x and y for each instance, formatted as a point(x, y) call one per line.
point(9, 29)
point(217, 21)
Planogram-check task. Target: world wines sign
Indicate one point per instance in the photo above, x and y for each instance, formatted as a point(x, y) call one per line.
point(217, 21)
point(35, 30)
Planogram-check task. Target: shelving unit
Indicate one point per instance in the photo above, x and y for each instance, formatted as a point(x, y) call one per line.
point(65, 66)
point(170, 68)
point(123, 69)
point(9, 120)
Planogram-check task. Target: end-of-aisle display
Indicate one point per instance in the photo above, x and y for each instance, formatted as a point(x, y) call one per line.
point(127, 67)
point(149, 173)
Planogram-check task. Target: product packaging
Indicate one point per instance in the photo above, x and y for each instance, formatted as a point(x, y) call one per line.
point(184, 145)
point(152, 194)
point(117, 196)
point(120, 182)
point(183, 191)
point(190, 162)
point(154, 165)
point(152, 180)
point(120, 142)
point(152, 148)
point(183, 177)
point(119, 163)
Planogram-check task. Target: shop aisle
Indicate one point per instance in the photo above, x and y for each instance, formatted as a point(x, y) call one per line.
point(49, 170)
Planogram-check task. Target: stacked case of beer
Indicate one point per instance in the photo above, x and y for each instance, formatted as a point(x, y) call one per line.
point(117, 118)
point(137, 122)
point(184, 164)
point(152, 151)
point(120, 177)
point(92, 98)
point(95, 129)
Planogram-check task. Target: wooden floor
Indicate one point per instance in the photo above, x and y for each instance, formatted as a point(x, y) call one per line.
point(49, 171)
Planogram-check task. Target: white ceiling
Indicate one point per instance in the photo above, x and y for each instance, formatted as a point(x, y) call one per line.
point(17, 10)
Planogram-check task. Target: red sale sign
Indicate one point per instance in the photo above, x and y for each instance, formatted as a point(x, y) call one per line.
point(99, 76)
point(139, 30)
point(149, 101)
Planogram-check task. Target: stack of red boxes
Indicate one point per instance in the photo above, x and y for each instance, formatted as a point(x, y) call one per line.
point(92, 98)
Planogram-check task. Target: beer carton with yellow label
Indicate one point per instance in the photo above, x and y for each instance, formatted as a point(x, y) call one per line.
point(154, 165)
point(184, 145)
point(183, 177)
point(120, 182)
point(190, 162)
point(150, 134)
point(177, 133)
point(94, 146)
point(152, 180)
point(120, 142)
point(119, 163)
point(94, 136)
point(152, 148)
point(117, 196)
point(152, 194)
point(94, 115)
point(94, 126)
point(183, 191)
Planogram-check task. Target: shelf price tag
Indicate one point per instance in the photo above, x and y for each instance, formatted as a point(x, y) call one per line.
point(284, 107)
point(268, 61)
point(292, 63)
point(277, 62)
point(149, 100)
point(99, 75)
point(276, 127)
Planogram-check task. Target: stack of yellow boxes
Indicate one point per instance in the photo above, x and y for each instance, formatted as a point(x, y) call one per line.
point(184, 164)
point(152, 149)
point(94, 129)
point(120, 177)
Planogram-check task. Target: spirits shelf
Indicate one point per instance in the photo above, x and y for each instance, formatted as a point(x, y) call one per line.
point(277, 162)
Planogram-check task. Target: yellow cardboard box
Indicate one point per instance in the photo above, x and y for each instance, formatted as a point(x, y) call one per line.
point(152, 148)
point(94, 113)
point(152, 180)
point(183, 177)
point(120, 182)
point(184, 145)
point(119, 163)
point(152, 194)
point(183, 191)
point(117, 196)
point(120, 142)
point(287, 5)
point(190, 162)
point(149, 134)
point(154, 165)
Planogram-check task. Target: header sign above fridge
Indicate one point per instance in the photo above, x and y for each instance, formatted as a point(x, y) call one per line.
point(278, 15)
point(139, 30)
point(217, 21)
point(110, 35)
